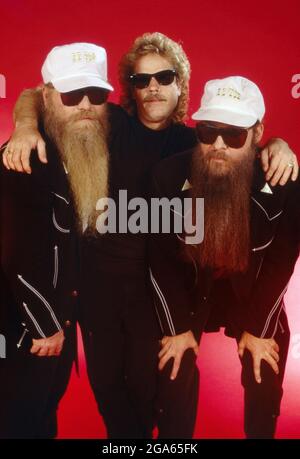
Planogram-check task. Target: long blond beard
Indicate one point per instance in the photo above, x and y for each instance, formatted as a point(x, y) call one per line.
point(84, 152)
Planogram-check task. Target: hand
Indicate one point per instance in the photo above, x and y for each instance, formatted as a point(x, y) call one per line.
point(276, 160)
point(47, 347)
point(17, 153)
point(175, 346)
point(261, 349)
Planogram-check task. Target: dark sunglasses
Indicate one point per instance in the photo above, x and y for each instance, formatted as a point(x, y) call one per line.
point(142, 80)
point(97, 96)
point(233, 137)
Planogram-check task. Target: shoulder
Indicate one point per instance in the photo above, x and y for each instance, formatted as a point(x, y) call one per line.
point(27, 184)
point(184, 136)
point(187, 131)
point(289, 191)
point(116, 114)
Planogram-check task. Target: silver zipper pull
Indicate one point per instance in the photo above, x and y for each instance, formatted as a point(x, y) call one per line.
point(19, 344)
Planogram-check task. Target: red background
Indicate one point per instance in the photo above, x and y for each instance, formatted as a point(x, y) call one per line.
point(256, 39)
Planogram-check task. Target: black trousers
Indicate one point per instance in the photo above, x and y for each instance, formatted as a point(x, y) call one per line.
point(177, 400)
point(31, 388)
point(176, 405)
point(121, 340)
point(262, 401)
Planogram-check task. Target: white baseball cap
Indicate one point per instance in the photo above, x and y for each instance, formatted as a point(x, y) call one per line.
point(76, 66)
point(233, 100)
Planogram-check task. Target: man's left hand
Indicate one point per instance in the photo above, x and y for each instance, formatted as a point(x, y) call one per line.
point(279, 162)
point(261, 349)
point(175, 346)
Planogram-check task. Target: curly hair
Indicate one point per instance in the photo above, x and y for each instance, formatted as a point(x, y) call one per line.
point(156, 43)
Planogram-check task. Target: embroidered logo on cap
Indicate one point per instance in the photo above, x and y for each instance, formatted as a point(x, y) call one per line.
point(229, 92)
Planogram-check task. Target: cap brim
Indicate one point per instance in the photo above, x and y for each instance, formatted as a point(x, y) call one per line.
point(79, 82)
point(226, 117)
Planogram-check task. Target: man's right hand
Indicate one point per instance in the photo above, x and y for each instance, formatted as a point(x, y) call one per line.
point(25, 138)
point(175, 347)
point(48, 347)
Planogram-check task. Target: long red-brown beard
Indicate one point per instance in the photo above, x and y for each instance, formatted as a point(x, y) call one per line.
point(226, 191)
point(84, 152)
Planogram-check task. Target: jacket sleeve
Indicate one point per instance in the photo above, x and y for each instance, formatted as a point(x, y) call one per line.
point(276, 270)
point(27, 250)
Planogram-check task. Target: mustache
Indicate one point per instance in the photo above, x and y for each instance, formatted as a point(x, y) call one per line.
point(217, 154)
point(152, 97)
point(82, 115)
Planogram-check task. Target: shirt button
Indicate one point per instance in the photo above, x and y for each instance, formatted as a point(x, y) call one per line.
point(74, 293)
point(205, 298)
point(67, 323)
point(192, 313)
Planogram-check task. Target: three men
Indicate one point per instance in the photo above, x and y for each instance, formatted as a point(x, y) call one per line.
point(238, 275)
point(117, 316)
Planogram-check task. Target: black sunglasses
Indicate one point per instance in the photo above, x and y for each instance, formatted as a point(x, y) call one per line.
point(233, 137)
point(97, 96)
point(142, 80)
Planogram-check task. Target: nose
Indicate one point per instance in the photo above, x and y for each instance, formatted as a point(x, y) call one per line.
point(219, 143)
point(153, 85)
point(85, 103)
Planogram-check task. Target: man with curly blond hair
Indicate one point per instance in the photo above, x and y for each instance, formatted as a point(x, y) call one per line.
point(159, 44)
point(121, 333)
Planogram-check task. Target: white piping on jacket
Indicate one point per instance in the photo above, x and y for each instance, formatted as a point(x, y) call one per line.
point(277, 322)
point(42, 299)
point(34, 321)
point(271, 313)
point(61, 197)
point(264, 210)
point(59, 228)
point(55, 266)
point(255, 249)
point(163, 302)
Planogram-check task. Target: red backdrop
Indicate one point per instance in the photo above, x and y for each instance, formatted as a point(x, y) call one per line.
point(259, 40)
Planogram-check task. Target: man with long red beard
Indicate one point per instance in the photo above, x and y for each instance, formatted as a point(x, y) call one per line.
point(238, 275)
point(42, 216)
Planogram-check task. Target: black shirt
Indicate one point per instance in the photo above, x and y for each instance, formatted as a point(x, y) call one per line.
point(134, 149)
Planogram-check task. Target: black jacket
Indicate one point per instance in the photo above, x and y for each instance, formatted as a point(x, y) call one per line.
point(182, 290)
point(38, 246)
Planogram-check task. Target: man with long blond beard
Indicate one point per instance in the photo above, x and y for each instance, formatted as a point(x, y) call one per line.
point(238, 275)
point(42, 216)
point(121, 330)
point(81, 140)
